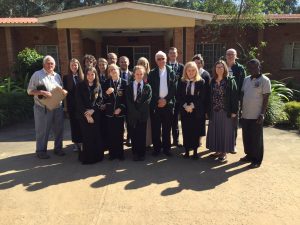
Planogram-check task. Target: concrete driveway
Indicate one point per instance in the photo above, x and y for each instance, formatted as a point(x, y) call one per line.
point(61, 191)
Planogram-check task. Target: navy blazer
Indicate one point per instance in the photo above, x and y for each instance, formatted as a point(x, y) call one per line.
point(70, 86)
point(85, 101)
point(154, 81)
point(199, 99)
point(115, 100)
point(178, 69)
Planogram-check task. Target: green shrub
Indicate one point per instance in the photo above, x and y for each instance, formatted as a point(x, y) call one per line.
point(8, 85)
point(28, 61)
point(280, 89)
point(292, 110)
point(275, 110)
point(15, 107)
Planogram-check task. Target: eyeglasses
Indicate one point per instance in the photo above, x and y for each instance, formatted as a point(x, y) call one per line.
point(159, 59)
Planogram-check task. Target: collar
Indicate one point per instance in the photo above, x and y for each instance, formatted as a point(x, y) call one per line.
point(136, 83)
point(252, 77)
point(173, 63)
point(162, 70)
point(53, 73)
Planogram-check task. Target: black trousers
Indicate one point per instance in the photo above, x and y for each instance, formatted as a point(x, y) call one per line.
point(175, 120)
point(115, 134)
point(138, 138)
point(253, 140)
point(92, 145)
point(161, 122)
point(75, 128)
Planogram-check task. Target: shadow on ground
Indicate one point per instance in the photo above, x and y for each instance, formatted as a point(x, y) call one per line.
point(197, 175)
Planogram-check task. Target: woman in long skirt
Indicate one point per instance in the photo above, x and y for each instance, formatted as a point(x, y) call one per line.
point(89, 100)
point(223, 108)
point(70, 81)
point(191, 96)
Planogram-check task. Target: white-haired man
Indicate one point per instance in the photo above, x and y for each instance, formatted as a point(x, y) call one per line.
point(239, 73)
point(40, 86)
point(162, 80)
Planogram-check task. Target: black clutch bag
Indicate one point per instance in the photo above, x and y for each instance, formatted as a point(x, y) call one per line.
point(41, 88)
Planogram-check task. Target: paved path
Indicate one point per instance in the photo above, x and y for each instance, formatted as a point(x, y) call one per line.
point(61, 191)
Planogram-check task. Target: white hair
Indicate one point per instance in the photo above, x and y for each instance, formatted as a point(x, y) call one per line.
point(48, 58)
point(231, 50)
point(160, 53)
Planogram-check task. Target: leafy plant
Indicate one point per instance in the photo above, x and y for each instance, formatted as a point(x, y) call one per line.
point(275, 110)
point(15, 107)
point(8, 85)
point(293, 112)
point(28, 61)
point(280, 89)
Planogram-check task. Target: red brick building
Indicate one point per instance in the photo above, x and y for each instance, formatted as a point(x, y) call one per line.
point(138, 29)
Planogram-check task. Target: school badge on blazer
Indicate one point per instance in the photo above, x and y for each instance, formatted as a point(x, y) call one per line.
point(120, 93)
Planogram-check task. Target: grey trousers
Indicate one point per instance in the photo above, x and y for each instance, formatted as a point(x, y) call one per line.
point(44, 121)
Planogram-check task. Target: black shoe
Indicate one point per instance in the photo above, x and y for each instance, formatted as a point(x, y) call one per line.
point(168, 153)
point(42, 155)
point(222, 158)
point(195, 156)
point(186, 155)
point(177, 144)
point(59, 152)
point(128, 143)
point(254, 165)
point(245, 159)
point(234, 151)
point(155, 153)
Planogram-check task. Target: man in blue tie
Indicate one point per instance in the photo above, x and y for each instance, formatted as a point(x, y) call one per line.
point(124, 71)
point(178, 70)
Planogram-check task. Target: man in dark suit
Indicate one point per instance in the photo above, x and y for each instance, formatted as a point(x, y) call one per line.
point(178, 69)
point(162, 80)
point(126, 75)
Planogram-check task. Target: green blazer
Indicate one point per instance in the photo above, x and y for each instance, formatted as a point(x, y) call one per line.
point(138, 112)
point(154, 81)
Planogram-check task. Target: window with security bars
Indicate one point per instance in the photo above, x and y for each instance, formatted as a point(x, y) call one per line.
point(139, 52)
point(49, 50)
point(211, 52)
point(132, 52)
point(291, 56)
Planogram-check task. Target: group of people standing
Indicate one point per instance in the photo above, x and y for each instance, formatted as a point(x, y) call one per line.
point(105, 98)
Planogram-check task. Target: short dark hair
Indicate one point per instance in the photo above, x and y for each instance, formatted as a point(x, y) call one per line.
point(198, 57)
point(254, 61)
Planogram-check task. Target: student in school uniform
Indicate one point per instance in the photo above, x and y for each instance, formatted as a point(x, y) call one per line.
point(138, 97)
point(145, 63)
point(70, 81)
point(115, 108)
point(103, 76)
point(191, 97)
point(89, 99)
